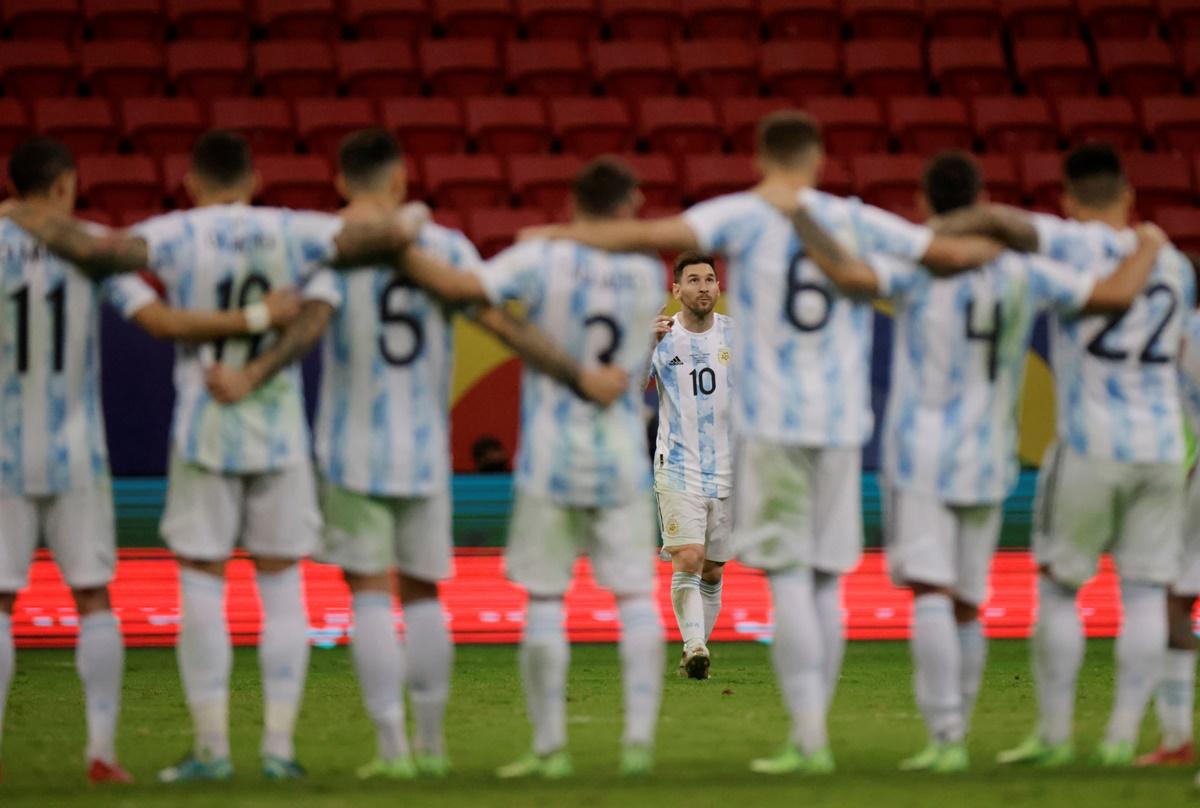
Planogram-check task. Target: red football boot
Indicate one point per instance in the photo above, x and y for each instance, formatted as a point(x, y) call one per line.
point(1181, 756)
point(101, 772)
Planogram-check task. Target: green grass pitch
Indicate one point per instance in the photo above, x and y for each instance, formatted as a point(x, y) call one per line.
point(708, 733)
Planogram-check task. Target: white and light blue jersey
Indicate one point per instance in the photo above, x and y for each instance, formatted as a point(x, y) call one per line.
point(51, 423)
point(1116, 382)
point(225, 257)
point(1189, 371)
point(958, 361)
point(382, 423)
point(600, 308)
point(805, 349)
point(694, 373)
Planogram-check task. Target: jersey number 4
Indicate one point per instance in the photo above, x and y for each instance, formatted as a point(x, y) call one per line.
point(56, 298)
point(1152, 353)
point(989, 336)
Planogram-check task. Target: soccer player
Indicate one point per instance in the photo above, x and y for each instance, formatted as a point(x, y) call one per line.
point(950, 433)
point(54, 481)
point(692, 466)
point(1113, 481)
point(382, 446)
point(802, 406)
point(583, 482)
point(240, 471)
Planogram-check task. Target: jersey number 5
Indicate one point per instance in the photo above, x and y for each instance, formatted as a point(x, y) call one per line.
point(57, 299)
point(391, 313)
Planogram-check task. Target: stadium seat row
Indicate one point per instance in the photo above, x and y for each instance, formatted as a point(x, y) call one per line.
point(591, 19)
point(712, 67)
point(589, 126)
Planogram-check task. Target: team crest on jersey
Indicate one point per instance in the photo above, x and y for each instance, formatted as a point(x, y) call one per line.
point(672, 527)
point(723, 356)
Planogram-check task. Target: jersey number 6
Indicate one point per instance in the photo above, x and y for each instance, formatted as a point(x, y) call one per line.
point(796, 288)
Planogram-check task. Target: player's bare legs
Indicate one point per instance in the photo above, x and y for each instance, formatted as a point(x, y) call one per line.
point(1175, 696)
point(430, 661)
point(687, 563)
point(100, 661)
point(283, 661)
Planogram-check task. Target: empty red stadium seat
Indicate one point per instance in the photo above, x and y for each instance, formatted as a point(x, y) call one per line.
point(1182, 19)
point(888, 180)
point(125, 19)
point(209, 68)
point(560, 19)
point(679, 125)
point(551, 67)
point(266, 123)
point(884, 18)
point(123, 67)
point(1055, 67)
point(543, 180)
point(1182, 225)
point(322, 123)
point(591, 126)
point(1190, 52)
point(299, 19)
point(465, 18)
point(1000, 178)
point(128, 217)
point(119, 182)
point(425, 125)
point(709, 175)
point(494, 229)
point(1136, 19)
point(884, 67)
point(173, 168)
point(969, 67)
point(38, 68)
point(159, 126)
point(1040, 19)
point(739, 118)
point(1173, 122)
point(926, 125)
point(43, 19)
point(658, 179)
point(508, 125)
point(388, 19)
point(714, 18)
point(851, 125)
point(460, 67)
point(302, 181)
point(1159, 181)
point(643, 19)
point(801, 68)
point(96, 216)
point(1041, 178)
point(378, 67)
point(295, 67)
point(14, 127)
point(86, 125)
point(1138, 67)
point(465, 181)
point(836, 177)
point(964, 18)
point(415, 179)
point(449, 218)
point(816, 19)
point(717, 68)
point(1112, 120)
point(634, 69)
point(209, 19)
point(1014, 124)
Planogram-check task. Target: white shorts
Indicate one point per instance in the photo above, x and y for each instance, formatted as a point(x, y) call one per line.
point(273, 514)
point(370, 535)
point(545, 539)
point(685, 518)
point(1088, 506)
point(935, 543)
point(797, 505)
point(1188, 580)
point(77, 526)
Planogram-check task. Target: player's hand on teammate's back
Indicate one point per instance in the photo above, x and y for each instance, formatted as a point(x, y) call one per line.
point(227, 385)
point(284, 306)
point(603, 385)
point(1151, 234)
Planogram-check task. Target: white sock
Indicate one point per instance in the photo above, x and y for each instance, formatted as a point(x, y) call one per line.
point(828, 592)
point(1176, 697)
point(379, 663)
point(972, 651)
point(689, 608)
point(1140, 650)
point(797, 654)
point(710, 596)
point(282, 657)
point(641, 668)
point(430, 661)
point(8, 659)
point(937, 666)
point(544, 657)
point(100, 660)
point(205, 659)
point(1058, 646)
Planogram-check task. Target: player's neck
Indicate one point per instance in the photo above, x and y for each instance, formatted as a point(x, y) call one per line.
point(45, 203)
point(696, 323)
point(231, 197)
point(1113, 217)
point(792, 179)
point(381, 203)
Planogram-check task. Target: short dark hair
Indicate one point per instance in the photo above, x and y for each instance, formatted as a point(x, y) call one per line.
point(951, 181)
point(688, 259)
point(1093, 174)
point(363, 154)
point(37, 163)
point(785, 135)
point(222, 157)
point(602, 186)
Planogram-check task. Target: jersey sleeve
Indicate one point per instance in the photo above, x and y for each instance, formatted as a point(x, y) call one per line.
point(897, 277)
point(166, 237)
point(1055, 285)
point(1059, 239)
point(711, 222)
point(310, 242)
point(515, 274)
point(876, 230)
point(325, 287)
point(463, 254)
point(128, 293)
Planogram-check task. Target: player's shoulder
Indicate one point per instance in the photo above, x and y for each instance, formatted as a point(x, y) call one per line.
point(449, 244)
